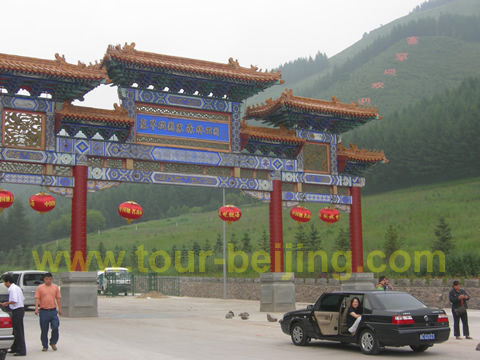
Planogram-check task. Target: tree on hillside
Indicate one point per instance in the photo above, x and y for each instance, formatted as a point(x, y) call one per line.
point(18, 228)
point(300, 236)
point(207, 246)
point(342, 241)
point(95, 221)
point(444, 241)
point(246, 241)
point(264, 242)
point(218, 248)
point(184, 255)
point(60, 227)
point(313, 239)
point(392, 242)
point(234, 241)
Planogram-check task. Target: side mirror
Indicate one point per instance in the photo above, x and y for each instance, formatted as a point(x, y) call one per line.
point(310, 307)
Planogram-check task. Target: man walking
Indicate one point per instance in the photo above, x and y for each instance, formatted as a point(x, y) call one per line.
point(48, 296)
point(15, 302)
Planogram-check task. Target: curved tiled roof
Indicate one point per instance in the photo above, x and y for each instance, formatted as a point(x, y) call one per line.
point(232, 70)
point(354, 153)
point(57, 68)
point(302, 104)
point(118, 115)
point(282, 134)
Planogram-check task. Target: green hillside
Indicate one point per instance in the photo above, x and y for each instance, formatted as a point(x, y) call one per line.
point(414, 212)
point(446, 53)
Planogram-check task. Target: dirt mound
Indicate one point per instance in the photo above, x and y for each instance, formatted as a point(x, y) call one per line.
point(153, 295)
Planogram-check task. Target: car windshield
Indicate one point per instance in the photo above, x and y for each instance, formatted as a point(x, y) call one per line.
point(397, 301)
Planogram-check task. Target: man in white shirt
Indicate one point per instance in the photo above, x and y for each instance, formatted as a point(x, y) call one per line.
point(15, 302)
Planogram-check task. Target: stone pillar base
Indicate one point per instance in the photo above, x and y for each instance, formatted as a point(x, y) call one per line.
point(277, 292)
point(358, 281)
point(79, 294)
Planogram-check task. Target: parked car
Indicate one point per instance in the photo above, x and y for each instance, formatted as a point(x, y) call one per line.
point(6, 333)
point(27, 280)
point(389, 318)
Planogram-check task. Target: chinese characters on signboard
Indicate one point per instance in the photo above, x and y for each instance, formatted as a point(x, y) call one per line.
point(402, 56)
point(377, 85)
point(185, 128)
point(364, 100)
point(390, 72)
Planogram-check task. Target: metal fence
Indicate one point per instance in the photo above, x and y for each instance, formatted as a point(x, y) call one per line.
point(167, 285)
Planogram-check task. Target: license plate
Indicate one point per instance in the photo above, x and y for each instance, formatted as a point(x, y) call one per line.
point(427, 336)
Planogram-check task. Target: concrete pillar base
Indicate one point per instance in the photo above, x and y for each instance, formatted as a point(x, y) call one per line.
point(277, 292)
point(358, 281)
point(79, 294)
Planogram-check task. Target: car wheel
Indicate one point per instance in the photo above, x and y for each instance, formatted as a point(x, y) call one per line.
point(369, 343)
point(298, 334)
point(419, 348)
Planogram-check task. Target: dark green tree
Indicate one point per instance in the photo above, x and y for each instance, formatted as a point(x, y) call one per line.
point(207, 246)
point(300, 236)
point(444, 241)
point(313, 239)
point(392, 241)
point(184, 256)
point(18, 228)
point(95, 221)
point(246, 241)
point(342, 241)
point(218, 248)
point(264, 242)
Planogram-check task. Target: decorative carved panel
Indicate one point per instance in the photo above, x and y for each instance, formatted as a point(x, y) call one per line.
point(20, 168)
point(217, 171)
point(23, 129)
point(147, 166)
point(315, 157)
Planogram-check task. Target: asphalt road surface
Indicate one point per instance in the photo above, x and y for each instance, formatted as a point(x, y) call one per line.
point(196, 328)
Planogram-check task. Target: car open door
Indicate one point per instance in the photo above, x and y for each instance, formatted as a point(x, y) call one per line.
point(327, 312)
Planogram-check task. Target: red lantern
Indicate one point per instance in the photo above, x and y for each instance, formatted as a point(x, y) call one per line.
point(6, 199)
point(300, 214)
point(229, 213)
point(42, 202)
point(329, 215)
point(130, 210)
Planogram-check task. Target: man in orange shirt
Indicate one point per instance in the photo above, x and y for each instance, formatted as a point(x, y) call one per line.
point(48, 297)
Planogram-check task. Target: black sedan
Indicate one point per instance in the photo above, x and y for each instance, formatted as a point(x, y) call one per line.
point(389, 318)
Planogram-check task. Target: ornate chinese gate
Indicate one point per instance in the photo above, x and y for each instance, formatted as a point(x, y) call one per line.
point(179, 123)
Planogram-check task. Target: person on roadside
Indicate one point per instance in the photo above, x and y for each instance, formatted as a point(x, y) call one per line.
point(353, 315)
point(48, 296)
point(381, 283)
point(387, 284)
point(15, 302)
point(458, 297)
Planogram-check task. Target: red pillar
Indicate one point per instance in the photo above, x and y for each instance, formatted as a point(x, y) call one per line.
point(78, 245)
point(276, 228)
point(356, 240)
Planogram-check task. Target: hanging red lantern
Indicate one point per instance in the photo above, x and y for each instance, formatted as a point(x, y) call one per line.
point(6, 199)
point(300, 214)
point(329, 215)
point(130, 210)
point(229, 213)
point(42, 202)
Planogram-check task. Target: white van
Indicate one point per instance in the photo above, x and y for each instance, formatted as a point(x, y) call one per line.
point(27, 280)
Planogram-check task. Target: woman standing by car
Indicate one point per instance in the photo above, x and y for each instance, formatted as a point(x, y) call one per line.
point(458, 298)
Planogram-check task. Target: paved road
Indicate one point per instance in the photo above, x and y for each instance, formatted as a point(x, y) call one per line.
point(196, 328)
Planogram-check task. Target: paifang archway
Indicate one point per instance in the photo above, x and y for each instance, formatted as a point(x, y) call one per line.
point(179, 123)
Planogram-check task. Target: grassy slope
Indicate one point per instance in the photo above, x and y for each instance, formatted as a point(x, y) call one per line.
point(436, 60)
point(415, 211)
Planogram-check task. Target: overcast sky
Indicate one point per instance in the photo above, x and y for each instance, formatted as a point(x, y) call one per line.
point(265, 33)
